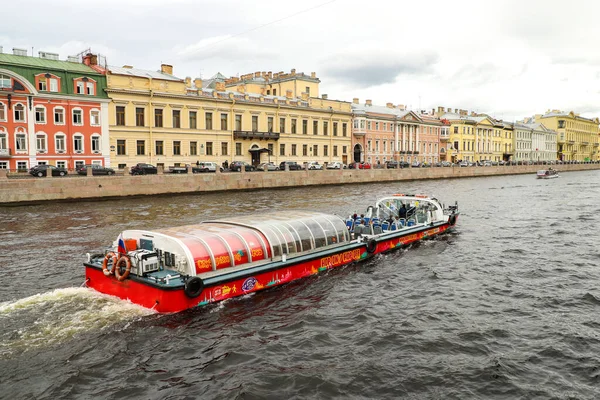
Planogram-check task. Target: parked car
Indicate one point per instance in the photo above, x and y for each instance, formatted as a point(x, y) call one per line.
point(268, 166)
point(447, 164)
point(465, 164)
point(292, 165)
point(96, 170)
point(42, 170)
point(236, 166)
point(392, 164)
point(415, 164)
point(313, 165)
point(359, 165)
point(335, 165)
point(143, 169)
point(179, 169)
point(206, 166)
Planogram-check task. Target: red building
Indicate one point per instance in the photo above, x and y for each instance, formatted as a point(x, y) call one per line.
point(52, 112)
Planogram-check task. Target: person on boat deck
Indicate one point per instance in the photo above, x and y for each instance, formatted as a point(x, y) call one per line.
point(390, 219)
point(355, 216)
point(402, 211)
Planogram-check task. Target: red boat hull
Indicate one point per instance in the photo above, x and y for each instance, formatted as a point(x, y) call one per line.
point(174, 300)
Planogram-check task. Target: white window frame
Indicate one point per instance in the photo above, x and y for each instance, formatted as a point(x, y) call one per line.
point(5, 81)
point(98, 139)
point(3, 139)
point(3, 164)
point(18, 135)
point(62, 109)
point(43, 138)
point(60, 142)
point(79, 163)
point(42, 84)
point(89, 88)
point(22, 165)
point(96, 112)
point(3, 114)
point(53, 84)
point(24, 109)
point(43, 114)
point(73, 116)
point(80, 87)
point(61, 164)
point(78, 137)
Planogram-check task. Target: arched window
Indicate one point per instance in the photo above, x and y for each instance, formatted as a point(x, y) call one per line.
point(96, 143)
point(78, 143)
point(2, 112)
point(60, 143)
point(20, 140)
point(19, 112)
point(3, 139)
point(41, 142)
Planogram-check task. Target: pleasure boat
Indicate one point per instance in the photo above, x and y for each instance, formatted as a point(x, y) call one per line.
point(174, 269)
point(549, 173)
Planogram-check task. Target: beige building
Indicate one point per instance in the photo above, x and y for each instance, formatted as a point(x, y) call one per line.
point(158, 118)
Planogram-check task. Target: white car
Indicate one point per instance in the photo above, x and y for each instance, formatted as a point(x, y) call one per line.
point(313, 165)
point(335, 165)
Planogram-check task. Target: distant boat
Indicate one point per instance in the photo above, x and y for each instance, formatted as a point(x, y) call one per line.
point(547, 173)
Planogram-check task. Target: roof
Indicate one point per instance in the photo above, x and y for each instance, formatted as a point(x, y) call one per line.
point(44, 63)
point(142, 73)
point(363, 108)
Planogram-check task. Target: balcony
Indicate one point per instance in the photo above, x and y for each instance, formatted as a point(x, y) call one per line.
point(255, 135)
point(596, 144)
point(5, 153)
point(359, 133)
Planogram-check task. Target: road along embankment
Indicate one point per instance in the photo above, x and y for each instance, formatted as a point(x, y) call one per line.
point(70, 188)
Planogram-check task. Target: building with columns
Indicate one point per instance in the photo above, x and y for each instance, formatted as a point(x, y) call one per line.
point(51, 111)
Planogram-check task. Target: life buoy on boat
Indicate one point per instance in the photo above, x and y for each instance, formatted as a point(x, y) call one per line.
point(109, 256)
point(127, 261)
point(193, 287)
point(371, 246)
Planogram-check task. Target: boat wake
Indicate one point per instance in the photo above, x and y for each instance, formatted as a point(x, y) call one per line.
point(51, 318)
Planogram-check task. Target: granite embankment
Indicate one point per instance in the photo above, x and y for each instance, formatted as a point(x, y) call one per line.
point(70, 188)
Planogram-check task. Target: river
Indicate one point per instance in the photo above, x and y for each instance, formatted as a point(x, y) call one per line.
point(503, 307)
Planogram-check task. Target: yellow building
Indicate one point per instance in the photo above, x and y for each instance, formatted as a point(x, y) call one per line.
point(158, 118)
point(577, 137)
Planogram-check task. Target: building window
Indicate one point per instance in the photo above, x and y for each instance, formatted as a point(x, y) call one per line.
point(344, 149)
point(5, 82)
point(176, 118)
point(209, 148)
point(224, 149)
point(120, 147)
point(53, 85)
point(193, 119)
point(304, 149)
point(22, 165)
point(41, 142)
point(80, 87)
point(96, 144)
point(2, 112)
point(139, 116)
point(281, 125)
point(304, 127)
point(176, 148)
point(294, 121)
point(77, 117)
point(270, 124)
point(308, 90)
point(238, 149)
point(141, 147)
point(61, 164)
point(335, 126)
point(120, 120)
point(270, 147)
point(325, 150)
point(238, 122)
point(255, 123)
point(90, 88)
point(42, 84)
point(456, 129)
point(20, 113)
point(315, 127)
point(325, 128)
point(59, 143)
point(282, 149)
point(158, 117)
point(344, 129)
point(78, 143)
point(223, 122)
point(335, 151)
point(3, 165)
point(208, 120)
point(159, 148)
point(40, 115)
point(315, 150)
point(95, 117)
point(193, 148)
point(294, 150)
point(21, 142)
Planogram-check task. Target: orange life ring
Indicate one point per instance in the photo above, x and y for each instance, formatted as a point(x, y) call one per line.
point(127, 262)
point(107, 257)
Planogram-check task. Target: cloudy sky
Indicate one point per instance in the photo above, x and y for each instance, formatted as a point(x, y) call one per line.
point(508, 58)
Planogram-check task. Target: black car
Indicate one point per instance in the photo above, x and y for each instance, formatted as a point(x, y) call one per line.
point(392, 164)
point(236, 166)
point(143, 169)
point(96, 170)
point(42, 170)
point(292, 165)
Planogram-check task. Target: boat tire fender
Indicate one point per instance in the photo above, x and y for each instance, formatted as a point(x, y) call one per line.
point(371, 246)
point(193, 287)
point(109, 256)
point(452, 219)
point(124, 275)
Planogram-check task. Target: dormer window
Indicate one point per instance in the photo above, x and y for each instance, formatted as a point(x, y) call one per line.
point(42, 86)
point(85, 85)
point(4, 82)
point(90, 89)
point(80, 87)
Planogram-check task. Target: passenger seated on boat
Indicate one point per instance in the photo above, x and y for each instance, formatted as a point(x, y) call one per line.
point(402, 211)
point(360, 229)
point(390, 219)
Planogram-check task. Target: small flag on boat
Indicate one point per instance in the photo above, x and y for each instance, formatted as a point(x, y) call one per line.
point(121, 245)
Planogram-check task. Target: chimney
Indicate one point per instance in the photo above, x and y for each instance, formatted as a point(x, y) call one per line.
point(473, 114)
point(293, 71)
point(166, 69)
point(401, 107)
point(198, 83)
point(389, 105)
point(440, 109)
point(288, 94)
point(257, 74)
point(188, 81)
point(220, 86)
point(368, 102)
point(304, 96)
point(313, 75)
point(270, 74)
point(93, 59)
point(355, 100)
point(324, 96)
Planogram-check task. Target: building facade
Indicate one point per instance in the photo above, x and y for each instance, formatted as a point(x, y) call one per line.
point(51, 112)
point(158, 118)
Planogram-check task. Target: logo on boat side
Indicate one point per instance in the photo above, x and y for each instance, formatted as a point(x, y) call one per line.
point(249, 284)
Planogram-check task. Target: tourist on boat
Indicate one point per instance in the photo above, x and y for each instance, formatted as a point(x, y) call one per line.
point(402, 211)
point(390, 219)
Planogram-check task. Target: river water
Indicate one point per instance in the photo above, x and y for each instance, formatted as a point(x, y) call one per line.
point(504, 307)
